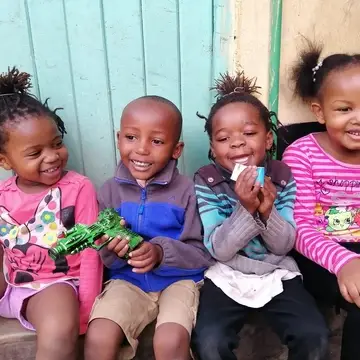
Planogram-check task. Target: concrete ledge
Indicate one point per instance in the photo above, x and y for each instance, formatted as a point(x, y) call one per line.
point(258, 342)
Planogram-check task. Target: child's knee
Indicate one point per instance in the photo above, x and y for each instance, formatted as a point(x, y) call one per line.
point(103, 333)
point(60, 335)
point(171, 341)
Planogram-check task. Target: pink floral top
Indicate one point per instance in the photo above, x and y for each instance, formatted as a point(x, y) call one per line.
point(29, 224)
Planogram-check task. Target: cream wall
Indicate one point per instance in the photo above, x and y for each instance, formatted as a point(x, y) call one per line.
point(335, 23)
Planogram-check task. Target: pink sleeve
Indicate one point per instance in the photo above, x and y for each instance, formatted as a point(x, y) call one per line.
point(91, 269)
point(310, 242)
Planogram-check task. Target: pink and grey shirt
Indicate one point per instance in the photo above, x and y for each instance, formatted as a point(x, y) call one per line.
point(29, 224)
point(327, 206)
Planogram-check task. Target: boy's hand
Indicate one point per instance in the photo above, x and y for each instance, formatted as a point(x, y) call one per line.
point(118, 245)
point(145, 257)
point(247, 190)
point(349, 281)
point(267, 196)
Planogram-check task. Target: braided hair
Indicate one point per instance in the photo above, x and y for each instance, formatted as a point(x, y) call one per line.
point(239, 88)
point(16, 103)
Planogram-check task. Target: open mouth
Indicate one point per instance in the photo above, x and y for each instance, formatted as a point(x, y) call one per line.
point(243, 160)
point(51, 170)
point(354, 133)
point(141, 165)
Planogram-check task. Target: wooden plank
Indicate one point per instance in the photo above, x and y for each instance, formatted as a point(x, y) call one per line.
point(195, 25)
point(124, 43)
point(52, 57)
point(161, 51)
point(16, 45)
point(90, 75)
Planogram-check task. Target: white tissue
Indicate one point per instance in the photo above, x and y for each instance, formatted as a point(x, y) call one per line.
point(238, 169)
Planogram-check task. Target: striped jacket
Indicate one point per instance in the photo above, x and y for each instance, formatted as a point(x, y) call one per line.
point(229, 229)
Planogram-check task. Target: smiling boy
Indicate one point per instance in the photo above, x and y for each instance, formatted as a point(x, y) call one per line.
point(160, 279)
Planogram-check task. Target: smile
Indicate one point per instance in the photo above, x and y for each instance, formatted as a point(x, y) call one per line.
point(243, 160)
point(141, 164)
point(51, 170)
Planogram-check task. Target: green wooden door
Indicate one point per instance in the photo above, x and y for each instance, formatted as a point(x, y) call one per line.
point(92, 57)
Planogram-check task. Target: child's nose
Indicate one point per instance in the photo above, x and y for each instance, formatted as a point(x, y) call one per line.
point(238, 142)
point(51, 156)
point(143, 149)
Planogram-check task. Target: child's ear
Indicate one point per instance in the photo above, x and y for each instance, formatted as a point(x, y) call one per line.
point(4, 162)
point(317, 111)
point(117, 138)
point(269, 140)
point(178, 150)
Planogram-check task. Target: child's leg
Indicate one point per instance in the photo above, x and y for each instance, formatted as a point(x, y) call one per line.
point(121, 312)
point(324, 287)
point(295, 318)
point(218, 323)
point(54, 313)
point(177, 312)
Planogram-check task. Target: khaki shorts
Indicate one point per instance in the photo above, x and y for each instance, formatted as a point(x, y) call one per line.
point(133, 309)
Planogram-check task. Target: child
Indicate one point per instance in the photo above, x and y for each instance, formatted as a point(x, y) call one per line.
point(249, 229)
point(326, 167)
point(160, 279)
point(40, 201)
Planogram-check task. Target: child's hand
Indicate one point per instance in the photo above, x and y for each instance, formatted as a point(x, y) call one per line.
point(118, 245)
point(145, 257)
point(349, 281)
point(247, 190)
point(267, 196)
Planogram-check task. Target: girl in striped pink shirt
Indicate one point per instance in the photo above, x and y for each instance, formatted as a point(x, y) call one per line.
point(326, 168)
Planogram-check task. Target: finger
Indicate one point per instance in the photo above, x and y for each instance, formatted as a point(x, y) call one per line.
point(120, 247)
point(141, 250)
point(141, 263)
point(123, 251)
point(256, 188)
point(140, 257)
point(113, 243)
point(122, 222)
point(353, 292)
point(144, 269)
point(246, 174)
point(345, 293)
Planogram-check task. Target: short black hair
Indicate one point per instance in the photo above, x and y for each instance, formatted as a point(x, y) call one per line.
point(165, 101)
point(308, 74)
point(16, 103)
point(239, 88)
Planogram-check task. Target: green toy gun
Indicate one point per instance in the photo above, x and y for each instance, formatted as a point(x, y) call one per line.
point(82, 236)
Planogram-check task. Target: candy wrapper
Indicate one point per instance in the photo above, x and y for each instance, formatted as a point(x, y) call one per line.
point(239, 168)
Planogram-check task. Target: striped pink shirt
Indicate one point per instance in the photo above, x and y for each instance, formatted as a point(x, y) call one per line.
point(327, 206)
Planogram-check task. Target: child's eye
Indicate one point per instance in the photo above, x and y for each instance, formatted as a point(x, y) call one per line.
point(158, 142)
point(59, 144)
point(130, 137)
point(34, 154)
point(250, 133)
point(344, 109)
point(222, 139)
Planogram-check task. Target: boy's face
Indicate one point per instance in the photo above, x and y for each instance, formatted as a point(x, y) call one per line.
point(148, 137)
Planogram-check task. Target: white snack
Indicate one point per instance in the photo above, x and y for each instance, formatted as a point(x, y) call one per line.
point(238, 169)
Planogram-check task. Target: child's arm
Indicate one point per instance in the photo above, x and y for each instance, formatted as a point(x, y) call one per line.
point(279, 232)
point(187, 252)
point(91, 270)
point(224, 236)
point(310, 242)
point(109, 258)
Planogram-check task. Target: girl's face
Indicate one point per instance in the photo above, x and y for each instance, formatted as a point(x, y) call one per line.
point(239, 135)
point(35, 152)
point(338, 108)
